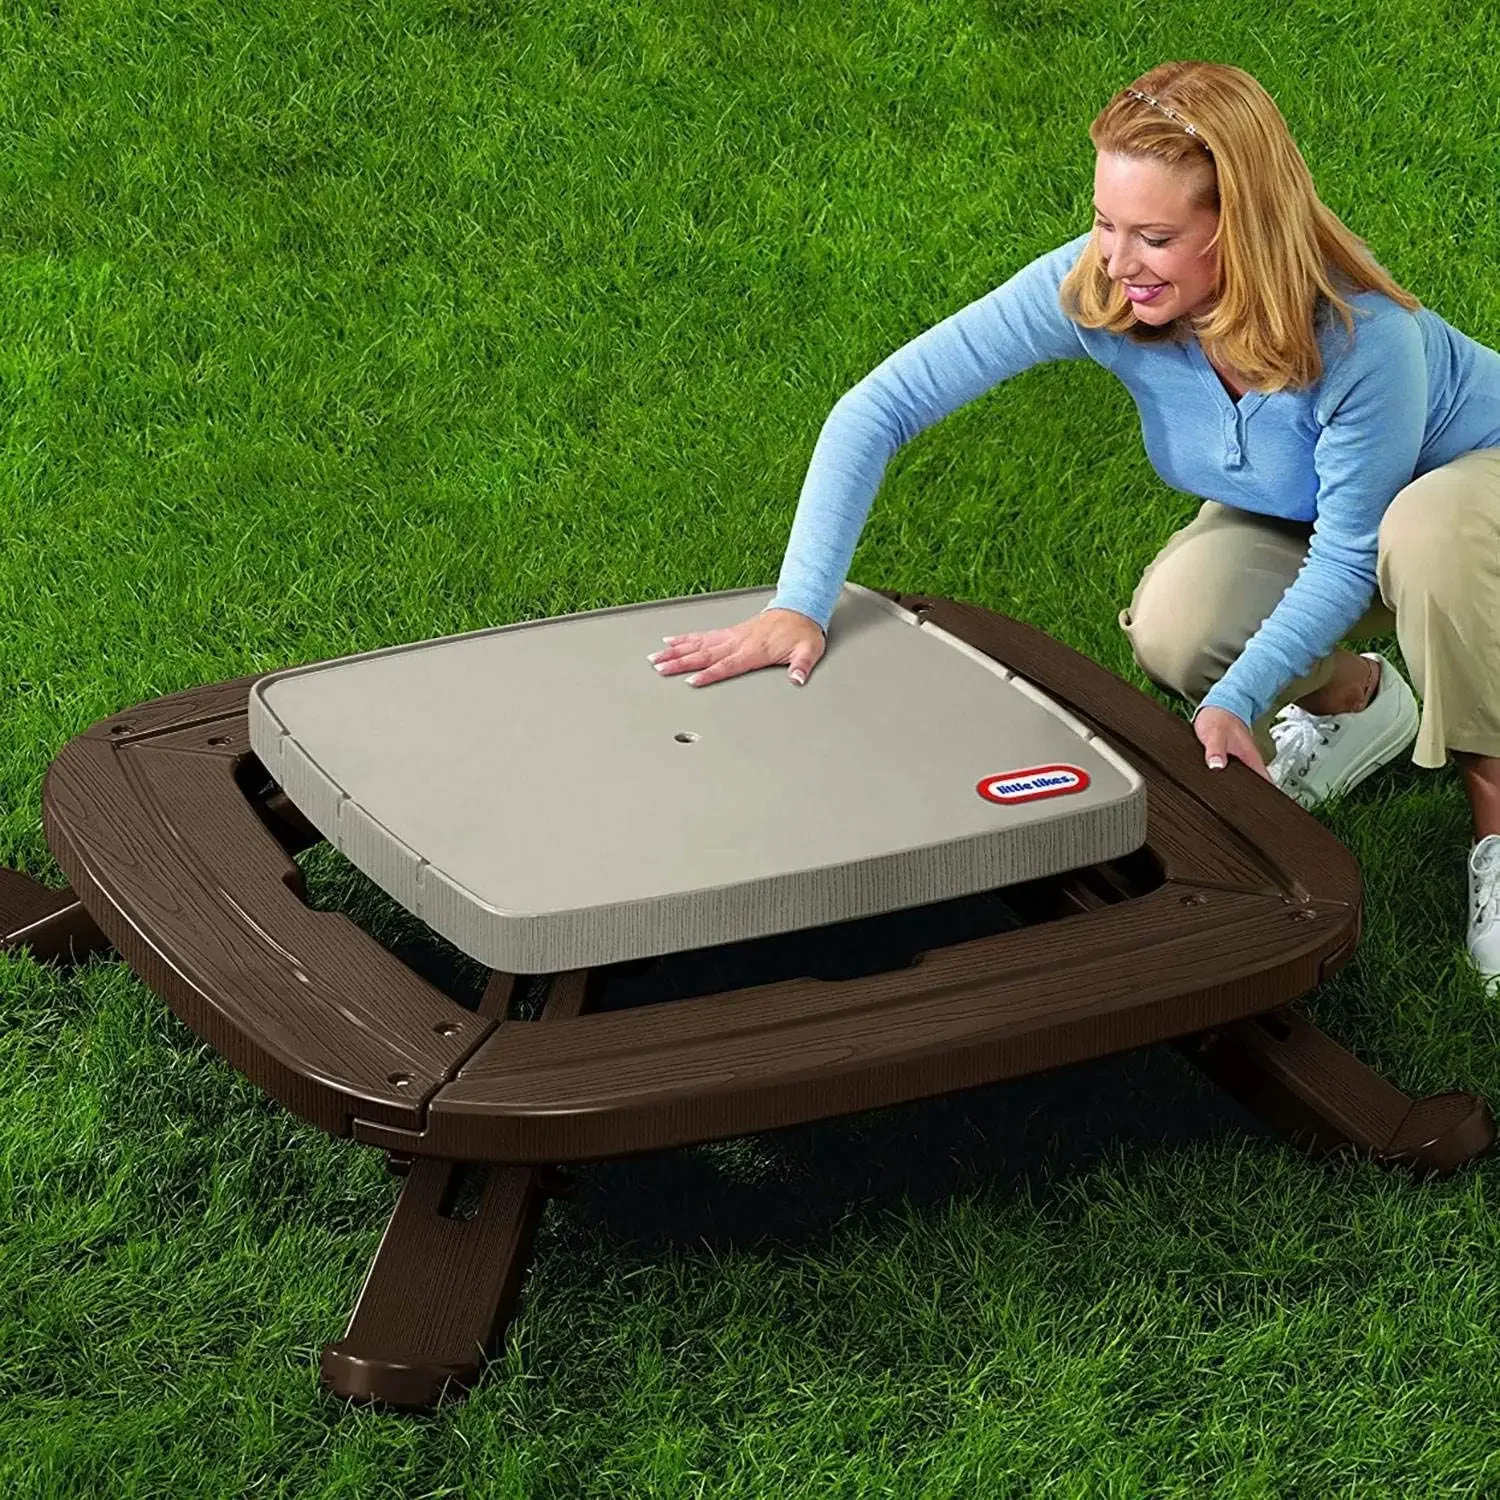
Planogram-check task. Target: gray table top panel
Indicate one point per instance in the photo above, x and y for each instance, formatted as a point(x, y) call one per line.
point(545, 800)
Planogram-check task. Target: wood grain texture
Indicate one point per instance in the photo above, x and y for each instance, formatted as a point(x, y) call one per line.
point(999, 1007)
point(197, 895)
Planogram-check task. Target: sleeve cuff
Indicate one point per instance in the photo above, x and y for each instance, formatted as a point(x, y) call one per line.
point(777, 602)
point(1238, 704)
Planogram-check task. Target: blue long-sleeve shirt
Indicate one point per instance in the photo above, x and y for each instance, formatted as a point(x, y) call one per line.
point(1409, 393)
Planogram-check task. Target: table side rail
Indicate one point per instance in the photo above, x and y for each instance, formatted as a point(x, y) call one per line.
point(659, 1076)
point(197, 896)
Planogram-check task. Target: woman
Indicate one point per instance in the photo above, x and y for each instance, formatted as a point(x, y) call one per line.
point(1346, 438)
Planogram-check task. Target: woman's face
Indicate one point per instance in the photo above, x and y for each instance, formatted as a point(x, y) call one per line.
point(1148, 234)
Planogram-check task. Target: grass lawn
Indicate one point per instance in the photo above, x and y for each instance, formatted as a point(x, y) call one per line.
point(325, 327)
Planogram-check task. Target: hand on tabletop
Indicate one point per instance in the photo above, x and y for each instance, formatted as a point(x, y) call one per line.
point(766, 640)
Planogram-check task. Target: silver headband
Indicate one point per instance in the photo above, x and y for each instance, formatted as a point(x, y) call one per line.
point(1167, 109)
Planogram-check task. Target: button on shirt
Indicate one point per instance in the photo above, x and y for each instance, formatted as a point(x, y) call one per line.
point(1407, 393)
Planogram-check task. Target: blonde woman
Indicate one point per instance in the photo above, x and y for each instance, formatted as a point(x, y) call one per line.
point(1344, 439)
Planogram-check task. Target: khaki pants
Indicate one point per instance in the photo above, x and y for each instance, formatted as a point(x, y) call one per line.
point(1207, 591)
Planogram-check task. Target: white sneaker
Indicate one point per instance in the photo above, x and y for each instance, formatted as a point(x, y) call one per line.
point(1484, 911)
point(1318, 755)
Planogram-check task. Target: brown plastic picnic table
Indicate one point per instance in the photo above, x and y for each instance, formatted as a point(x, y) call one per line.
point(1223, 902)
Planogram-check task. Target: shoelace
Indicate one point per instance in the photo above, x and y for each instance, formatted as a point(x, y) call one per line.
point(1297, 735)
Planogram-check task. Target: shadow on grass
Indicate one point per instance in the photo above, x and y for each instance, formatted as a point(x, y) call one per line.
point(789, 1187)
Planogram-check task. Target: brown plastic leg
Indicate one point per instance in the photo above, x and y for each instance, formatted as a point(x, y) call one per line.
point(441, 1290)
point(447, 1277)
point(53, 924)
point(1303, 1083)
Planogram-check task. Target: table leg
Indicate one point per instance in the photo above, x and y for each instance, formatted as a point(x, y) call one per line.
point(442, 1289)
point(1301, 1082)
point(446, 1279)
point(53, 924)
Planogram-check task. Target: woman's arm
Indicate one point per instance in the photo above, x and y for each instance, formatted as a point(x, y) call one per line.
point(1009, 329)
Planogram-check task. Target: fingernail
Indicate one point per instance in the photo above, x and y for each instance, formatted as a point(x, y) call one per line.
point(798, 678)
point(1216, 763)
point(693, 681)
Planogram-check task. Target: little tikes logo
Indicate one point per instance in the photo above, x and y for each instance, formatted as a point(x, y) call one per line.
point(1033, 782)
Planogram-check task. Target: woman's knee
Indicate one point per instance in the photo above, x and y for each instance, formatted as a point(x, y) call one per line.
point(1179, 647)
point(1184, 615)
point(1206, 593)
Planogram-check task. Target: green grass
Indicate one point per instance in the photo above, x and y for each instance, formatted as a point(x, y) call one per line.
point(326, 327)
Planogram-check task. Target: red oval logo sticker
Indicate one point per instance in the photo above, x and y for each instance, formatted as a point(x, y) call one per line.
point(1033, 782)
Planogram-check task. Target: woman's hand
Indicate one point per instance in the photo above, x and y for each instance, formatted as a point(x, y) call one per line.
point(773, 637)
point(1223, 734)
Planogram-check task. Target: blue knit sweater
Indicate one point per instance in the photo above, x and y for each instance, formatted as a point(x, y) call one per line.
point(1407, 394)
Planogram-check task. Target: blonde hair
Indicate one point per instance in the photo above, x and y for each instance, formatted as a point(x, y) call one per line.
point(1279, 246)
